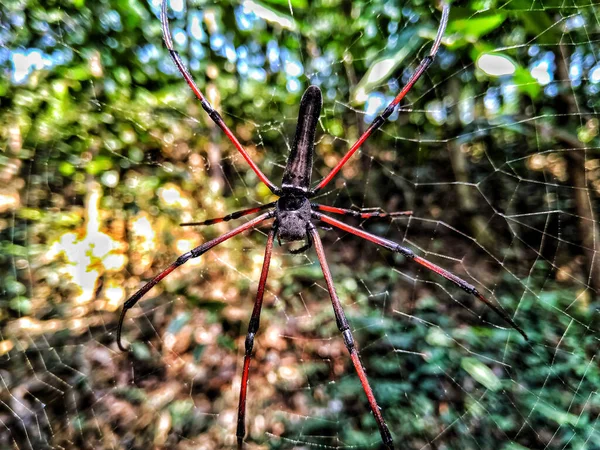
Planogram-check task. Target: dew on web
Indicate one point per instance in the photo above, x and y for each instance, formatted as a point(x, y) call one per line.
point(495, 151)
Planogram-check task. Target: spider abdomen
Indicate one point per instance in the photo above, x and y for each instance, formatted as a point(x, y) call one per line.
point(293, 216)
point(296, 178)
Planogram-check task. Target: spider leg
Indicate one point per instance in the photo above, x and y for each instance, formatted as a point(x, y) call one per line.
point(194, 253)
point(344, 327)
point(228, 217)
point(380, 120)
point(252, 330)
point(390, 245)
point(213, 113)
point(363, 213)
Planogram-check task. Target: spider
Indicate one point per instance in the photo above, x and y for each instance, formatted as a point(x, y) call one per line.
point(294, 214)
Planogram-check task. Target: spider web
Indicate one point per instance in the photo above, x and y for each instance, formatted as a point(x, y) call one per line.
point(495, 151)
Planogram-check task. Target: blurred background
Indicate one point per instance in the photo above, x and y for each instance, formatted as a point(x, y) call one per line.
point(104, 151)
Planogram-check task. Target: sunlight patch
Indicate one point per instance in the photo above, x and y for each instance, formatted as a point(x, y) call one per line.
point(496, 65)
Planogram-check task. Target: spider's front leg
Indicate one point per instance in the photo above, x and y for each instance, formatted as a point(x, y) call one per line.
point(212, 112)
point(387, 112)
point(344, 327)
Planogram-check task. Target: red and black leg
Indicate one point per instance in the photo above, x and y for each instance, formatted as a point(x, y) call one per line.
point(390, 245)
point(212, 112)
point(252, 330)
point(228, 217)
point(363, 213)
point(344, 327)
point(194, 253)
point(380, 119)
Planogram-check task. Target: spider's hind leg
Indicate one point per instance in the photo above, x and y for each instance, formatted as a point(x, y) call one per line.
point(252, 330)
point(391, 245)
point(344, 327)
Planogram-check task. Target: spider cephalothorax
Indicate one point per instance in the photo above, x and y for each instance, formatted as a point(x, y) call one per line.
point(293, 214)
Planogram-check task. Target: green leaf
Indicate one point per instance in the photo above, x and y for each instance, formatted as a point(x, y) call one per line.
point(99, 164)
point(514, 446)
point(475, 27)
point(198, 351)
point(270, 14)
point(438, 338)
point(557, 415)
point(140, 351)
point(181, 411)
point(539, 25)
point(226, 342)
point(30, 213)
point(382, 68)
point(21, 304)
point(481, 373)
point(463, 31)
point(178, 322)
point(81, 72)
point(526, 83)
point(66, 168)
point(14, 287)
point(311, 272)
point(287, 3)
point(132, 394)
point(133, 13)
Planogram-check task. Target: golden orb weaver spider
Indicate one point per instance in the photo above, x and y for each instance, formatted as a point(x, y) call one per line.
point(293, 215)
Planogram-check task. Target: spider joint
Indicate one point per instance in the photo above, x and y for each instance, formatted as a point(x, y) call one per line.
point(348, 339)
point(212, 112)
point(253, 325)
point(249, 343)
point(183, 258)
point(387, 112)
point(405, 251)
point(132, 301)
point(214, 115)
point(387, 439)
point(470, 289)
point(198, 251)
